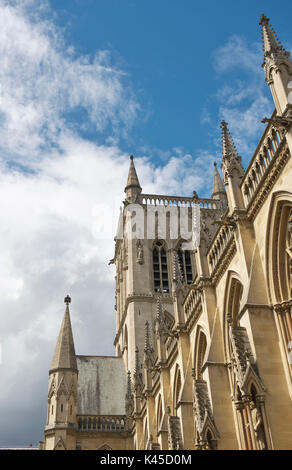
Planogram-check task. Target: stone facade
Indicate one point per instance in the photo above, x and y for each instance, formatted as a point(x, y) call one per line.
point(204, 334)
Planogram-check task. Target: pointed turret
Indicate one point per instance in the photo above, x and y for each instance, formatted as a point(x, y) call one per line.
point(277, 65)
point(64, 356)
point(232, 169)
point(133, 188)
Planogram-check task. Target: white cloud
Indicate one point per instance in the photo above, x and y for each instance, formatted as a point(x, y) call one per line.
point(42, 81)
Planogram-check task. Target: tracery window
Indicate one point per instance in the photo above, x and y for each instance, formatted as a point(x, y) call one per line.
point(160, 268)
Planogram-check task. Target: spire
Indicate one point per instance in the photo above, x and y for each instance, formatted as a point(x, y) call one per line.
point(218, 187)
point(64, 356)
point(133, 188)
point(271, 42)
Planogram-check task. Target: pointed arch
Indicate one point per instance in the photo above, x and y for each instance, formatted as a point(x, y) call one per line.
point(279, 270)
point(177, 385)
point(279, 247)
point(232, 304)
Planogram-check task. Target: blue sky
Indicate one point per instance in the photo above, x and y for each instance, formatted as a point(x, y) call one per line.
point(83, 84)
point(168, 49)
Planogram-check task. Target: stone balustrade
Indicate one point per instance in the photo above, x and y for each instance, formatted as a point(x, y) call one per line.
point(218, 246)
point(265, 154)
point(192, 302)
point(101, 423)
point(178, 201)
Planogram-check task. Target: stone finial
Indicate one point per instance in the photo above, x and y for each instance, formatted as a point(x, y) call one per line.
point(67, 300)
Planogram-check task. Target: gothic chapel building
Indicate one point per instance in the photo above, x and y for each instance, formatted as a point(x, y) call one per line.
point(203, 336)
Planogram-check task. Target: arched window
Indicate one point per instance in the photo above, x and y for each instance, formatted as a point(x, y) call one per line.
point(160, 269)
point(201, 346)
point(185, 261)
point(279, 265)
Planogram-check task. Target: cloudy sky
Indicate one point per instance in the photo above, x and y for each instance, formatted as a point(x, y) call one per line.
point(83, 84)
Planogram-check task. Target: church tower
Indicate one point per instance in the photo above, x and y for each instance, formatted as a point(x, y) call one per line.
point(145, 245)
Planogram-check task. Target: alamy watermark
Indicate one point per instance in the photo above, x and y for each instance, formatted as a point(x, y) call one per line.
point(161, 222)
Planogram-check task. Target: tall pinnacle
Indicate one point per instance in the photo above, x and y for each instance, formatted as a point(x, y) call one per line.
point(64, 355)
point(271, 42)
point(147, 346)
point(231, 161)
point(228, 146)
